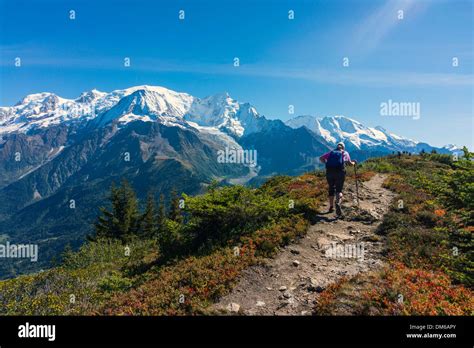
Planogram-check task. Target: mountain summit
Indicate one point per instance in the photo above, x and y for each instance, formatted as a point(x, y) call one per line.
point(219, 112)
point(145, 103)
point(358, 137)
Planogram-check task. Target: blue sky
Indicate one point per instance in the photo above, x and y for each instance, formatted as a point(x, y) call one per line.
point(283, 62)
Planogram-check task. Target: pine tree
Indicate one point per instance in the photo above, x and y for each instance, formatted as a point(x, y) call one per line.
point(213, 185)
point(467, 155)
point(161, 218)
point(148, 219)
point(122, 221)
point(175, 210)
point(168, 231)
point(104, 227)
point(67, 254)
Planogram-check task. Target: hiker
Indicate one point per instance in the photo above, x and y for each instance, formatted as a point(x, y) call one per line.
point(335, 174)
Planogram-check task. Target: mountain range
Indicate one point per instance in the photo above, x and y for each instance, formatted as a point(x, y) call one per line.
point(59, 157)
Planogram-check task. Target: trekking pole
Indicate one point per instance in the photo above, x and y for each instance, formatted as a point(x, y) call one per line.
point(357, 185)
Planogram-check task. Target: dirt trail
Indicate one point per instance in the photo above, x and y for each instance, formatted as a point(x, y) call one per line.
point(290, 283)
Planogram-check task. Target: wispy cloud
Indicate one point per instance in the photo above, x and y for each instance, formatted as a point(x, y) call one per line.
point(340, 76)
point(365, 78)
point(376, 26)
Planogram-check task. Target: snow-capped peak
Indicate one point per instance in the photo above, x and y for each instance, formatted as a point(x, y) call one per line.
point(222, 111)
point(91, 96)
point(148, 103)
point(215, 114)
point(144, 102)
point(353, 133)
point(40, 110)
point(34, 98)
point(308, 121)
point(451, 147)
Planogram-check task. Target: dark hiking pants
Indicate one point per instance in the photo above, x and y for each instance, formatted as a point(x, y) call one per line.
point(335, 180)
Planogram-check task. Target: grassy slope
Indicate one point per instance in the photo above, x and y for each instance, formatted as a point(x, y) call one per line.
point(102, 278)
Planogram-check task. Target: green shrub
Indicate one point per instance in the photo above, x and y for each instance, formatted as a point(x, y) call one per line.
point(114, 282)
point(229, 212)
point(426, 218)
point(391, 221)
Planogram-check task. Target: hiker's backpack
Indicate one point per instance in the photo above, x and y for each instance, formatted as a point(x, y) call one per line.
point(335, 160)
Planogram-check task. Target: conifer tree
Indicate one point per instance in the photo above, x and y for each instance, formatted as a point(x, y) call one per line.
point(175, 210)
point(122, 221)
point(161, 218)
point(148, 224)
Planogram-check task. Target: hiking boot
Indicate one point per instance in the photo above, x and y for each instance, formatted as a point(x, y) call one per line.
point(338, 209)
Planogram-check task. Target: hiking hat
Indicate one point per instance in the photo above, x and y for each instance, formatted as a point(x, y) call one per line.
point(341, 143)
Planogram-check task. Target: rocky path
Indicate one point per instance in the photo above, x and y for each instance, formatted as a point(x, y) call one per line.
point(290, 283)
